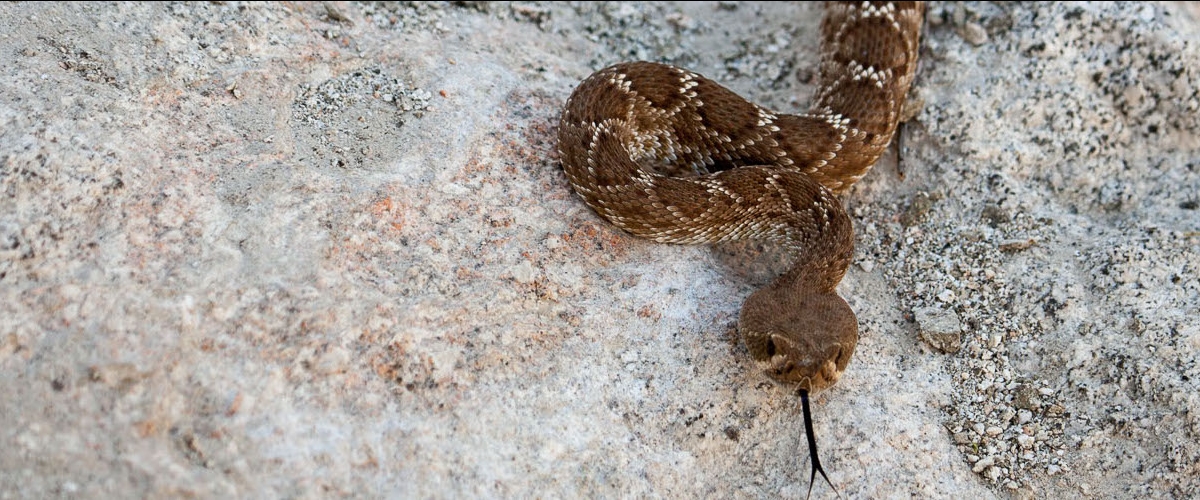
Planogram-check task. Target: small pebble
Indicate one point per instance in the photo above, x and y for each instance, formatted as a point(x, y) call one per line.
point(1025, 441)
point(974, 34)
point(983, 463)
point(994, 473)
point(940, 328)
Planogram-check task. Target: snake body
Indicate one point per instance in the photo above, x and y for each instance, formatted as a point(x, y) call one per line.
point(666, 154)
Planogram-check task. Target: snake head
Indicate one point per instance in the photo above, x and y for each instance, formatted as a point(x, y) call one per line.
point(798, 338)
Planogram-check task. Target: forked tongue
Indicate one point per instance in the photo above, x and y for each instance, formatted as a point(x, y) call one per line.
point(812, 447)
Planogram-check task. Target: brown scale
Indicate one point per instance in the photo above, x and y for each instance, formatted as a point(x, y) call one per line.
point(669, 155)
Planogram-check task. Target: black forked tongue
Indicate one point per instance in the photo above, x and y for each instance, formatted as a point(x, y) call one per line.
point(812, 447)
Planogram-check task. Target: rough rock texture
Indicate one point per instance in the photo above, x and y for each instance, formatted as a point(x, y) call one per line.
point(940, 328)
point(323, 249)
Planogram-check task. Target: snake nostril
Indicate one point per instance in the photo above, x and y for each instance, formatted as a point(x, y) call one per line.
point(770, 347)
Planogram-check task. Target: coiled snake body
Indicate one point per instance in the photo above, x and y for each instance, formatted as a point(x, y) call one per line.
point(669, 155)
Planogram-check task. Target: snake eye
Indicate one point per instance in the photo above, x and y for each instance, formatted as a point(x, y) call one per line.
point(770, 347)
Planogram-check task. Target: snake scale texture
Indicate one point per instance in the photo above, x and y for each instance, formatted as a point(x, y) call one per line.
point(666, 154)
point(669, 155)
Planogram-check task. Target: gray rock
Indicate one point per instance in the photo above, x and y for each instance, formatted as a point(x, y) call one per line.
point(278, 250)
point(940, 328)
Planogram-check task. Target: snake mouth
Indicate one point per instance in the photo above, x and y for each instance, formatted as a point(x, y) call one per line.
point(786, 370)
point(813, 381)
point(787, 366)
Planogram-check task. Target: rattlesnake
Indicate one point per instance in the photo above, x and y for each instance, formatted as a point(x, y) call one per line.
point(669, 155)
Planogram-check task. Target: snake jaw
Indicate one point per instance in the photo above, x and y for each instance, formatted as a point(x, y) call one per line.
point(792, 365)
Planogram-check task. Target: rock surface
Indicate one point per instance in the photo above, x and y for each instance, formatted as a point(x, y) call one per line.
point(309, 250)
point(940, 328)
